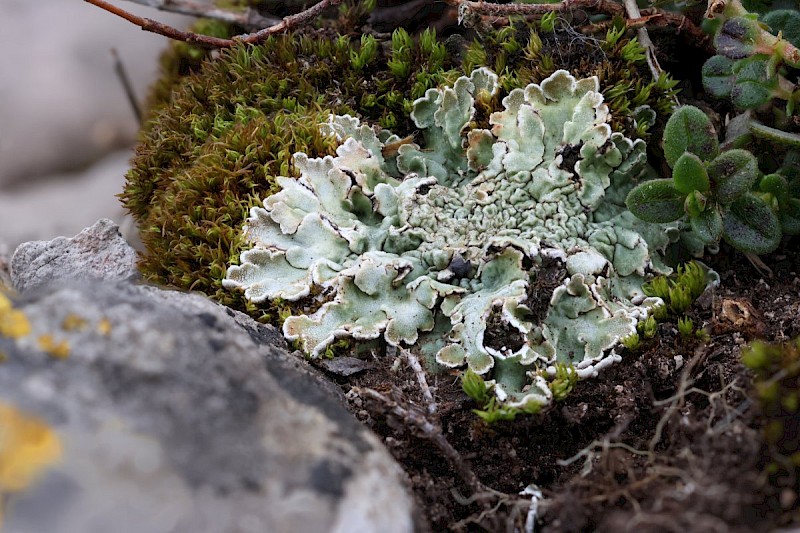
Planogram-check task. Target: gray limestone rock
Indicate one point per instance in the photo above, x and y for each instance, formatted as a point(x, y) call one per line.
point(97, 252)
point(165, 412)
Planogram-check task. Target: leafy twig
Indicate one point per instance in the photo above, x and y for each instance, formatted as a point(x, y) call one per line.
point(288, 23)
point(734, 8)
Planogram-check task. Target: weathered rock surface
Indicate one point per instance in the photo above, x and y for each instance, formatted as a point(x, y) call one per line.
point(141, 409)
point(98, 252)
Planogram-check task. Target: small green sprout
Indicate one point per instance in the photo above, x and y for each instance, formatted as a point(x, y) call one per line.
point(658, 287)
point(660, 313)
point(633, 51)
point(493, 412)
point(548, 22)
point(649, 327)
point(680, 298)
point(366, 54)
point(692, 276)
point(564, 382)
point(336, 348)
point(685, 327)
point(474, 387)
point(632, 342)
point(614, 33)
point(680, 292)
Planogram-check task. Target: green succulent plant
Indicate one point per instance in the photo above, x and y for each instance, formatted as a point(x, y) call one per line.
point(713, 190)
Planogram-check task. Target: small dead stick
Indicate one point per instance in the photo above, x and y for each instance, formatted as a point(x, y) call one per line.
point(632, 10)
point(413, 362)
point(288, 23)
point(119, 68)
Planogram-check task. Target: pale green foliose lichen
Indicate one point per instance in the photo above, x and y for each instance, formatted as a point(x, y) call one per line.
point(507, 250)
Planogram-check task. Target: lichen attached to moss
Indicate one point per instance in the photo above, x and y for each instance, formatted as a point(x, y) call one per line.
point(447, 239)
point(222, 130)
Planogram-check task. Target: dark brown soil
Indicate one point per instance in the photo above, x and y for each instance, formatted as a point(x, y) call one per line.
point(667, 440)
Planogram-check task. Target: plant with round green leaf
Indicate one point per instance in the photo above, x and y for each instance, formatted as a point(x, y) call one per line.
point(746, 82)
point(753, 67)
point(711, 189)
point(786, 22)
point(777, 192)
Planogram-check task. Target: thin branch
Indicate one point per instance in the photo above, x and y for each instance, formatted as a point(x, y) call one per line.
point(249, 18)
point(288, 23)
point(292, 21)
point(163, 29)
point(125, 80)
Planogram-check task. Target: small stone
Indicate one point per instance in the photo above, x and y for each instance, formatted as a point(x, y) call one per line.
point(97, 252)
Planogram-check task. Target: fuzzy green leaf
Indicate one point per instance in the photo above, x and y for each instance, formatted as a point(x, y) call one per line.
point(733, 173)
point(707, 225)
point(656, 201)
point(751, 226)
point(689, 130)
point(777, 186)
point(737, 37)
point(689, 174)
point(718, 76)
point(752, 86)
point(785, 21)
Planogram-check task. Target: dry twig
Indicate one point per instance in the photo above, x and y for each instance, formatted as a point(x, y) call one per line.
point(127, 86)
point(413, 362)
point(288, 23)
point(644, 39)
